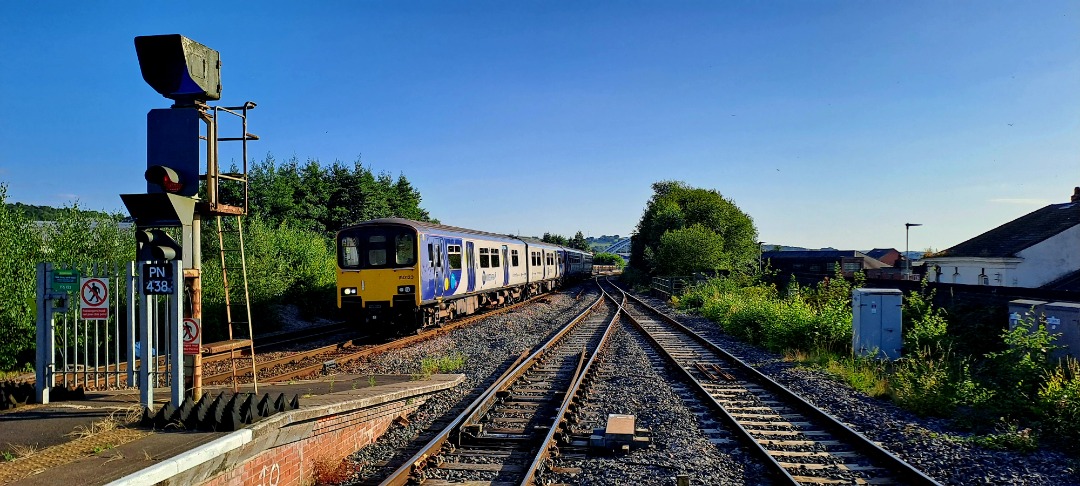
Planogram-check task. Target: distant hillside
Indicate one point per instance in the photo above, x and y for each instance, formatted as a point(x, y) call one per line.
point(46, 213)
point(601, 242)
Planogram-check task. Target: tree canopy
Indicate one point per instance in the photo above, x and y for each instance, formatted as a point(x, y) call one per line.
point(325, 199)
point(686, 229)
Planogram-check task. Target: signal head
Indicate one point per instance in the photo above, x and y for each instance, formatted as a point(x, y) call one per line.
point(179, 68)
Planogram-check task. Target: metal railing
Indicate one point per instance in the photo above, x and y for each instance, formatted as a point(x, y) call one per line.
point(668, 287)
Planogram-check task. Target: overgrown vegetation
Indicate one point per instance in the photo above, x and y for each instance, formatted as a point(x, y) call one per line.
point(609, 259)
point(686, 230)
point(441, 364)
point(288, 236)
point(1010, 398)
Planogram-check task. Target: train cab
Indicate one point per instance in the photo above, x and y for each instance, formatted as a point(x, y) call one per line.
point(378, 272)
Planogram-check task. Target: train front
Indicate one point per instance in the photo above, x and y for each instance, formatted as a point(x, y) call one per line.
point(378, 276)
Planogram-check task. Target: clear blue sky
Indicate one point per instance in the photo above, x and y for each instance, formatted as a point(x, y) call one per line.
point(832, 123)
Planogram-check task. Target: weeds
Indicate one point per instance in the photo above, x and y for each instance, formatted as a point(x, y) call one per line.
point(443, 364)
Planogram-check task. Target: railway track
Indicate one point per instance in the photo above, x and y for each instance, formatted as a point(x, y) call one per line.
point(506, 434)
point(277, 340)
point(801, 443)
point(315, 361)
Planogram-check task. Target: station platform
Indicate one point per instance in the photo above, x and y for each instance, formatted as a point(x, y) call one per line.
point(85, 442)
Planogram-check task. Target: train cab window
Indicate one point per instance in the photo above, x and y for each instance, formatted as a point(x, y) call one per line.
point(485, 258)
point(514, 257)
point(350, 253)
point(453, 254)
point(404, 250)
point(495, 258)
point(377, 247)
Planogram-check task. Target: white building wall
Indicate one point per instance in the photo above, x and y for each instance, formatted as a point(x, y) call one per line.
point(999, 271)
point(1050, 259)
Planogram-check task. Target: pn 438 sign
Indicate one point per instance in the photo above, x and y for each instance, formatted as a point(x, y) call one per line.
point(157, 279)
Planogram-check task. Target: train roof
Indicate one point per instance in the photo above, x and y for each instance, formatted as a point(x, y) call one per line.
point(424, 226)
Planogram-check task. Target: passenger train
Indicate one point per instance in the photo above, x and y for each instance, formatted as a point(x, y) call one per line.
point(400, 275)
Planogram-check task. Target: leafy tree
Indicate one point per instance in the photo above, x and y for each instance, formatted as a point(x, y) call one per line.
point(579, 242)
point(554, 238)
point(609, 259)
point(685, 251)
point(676, 206)
point(325, 199)
point(20, 249)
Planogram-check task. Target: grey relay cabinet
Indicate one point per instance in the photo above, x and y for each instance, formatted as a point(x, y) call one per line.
point(877, 322)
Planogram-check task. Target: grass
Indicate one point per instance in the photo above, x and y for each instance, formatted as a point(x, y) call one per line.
point(442, 364)
point(867, 375)
point(115, 420)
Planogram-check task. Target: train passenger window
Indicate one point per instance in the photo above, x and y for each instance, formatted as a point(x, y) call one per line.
point(350, 253)
point(430, 255)
point(453, 255)
point(514, 257)
point(485, 258)
point(495, 258)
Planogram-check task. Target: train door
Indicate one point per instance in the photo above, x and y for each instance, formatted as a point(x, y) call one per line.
point(506, 265)
point(471, 257)
point(437, 263)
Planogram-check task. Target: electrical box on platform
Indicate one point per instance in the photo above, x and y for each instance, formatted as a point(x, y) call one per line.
point(877, 322)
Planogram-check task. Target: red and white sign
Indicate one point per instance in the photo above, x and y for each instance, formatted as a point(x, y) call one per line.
point(192, 335)
point(94, 293)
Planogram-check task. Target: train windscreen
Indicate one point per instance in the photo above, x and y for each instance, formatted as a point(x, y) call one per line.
point(377, 247)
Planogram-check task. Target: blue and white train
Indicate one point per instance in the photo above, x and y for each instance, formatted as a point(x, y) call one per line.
point(408, 274)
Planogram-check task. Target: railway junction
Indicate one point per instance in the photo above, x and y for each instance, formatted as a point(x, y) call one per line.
point(672, 434)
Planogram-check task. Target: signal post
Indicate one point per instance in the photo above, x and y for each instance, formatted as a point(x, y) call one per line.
point(188, 73)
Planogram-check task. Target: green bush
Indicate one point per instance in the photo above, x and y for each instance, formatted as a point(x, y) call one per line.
point(935, 384)
point(20, 248)
point(1018, 372)
point(285, 265)
point(1059, 403)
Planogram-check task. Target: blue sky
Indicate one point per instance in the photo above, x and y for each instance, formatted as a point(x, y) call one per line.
point(831, 123)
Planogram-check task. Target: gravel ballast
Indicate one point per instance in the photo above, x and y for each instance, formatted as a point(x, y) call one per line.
point(923, 443)
point(684, 439)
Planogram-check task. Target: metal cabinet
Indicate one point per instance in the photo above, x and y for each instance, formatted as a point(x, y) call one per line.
point(1064, 318)
point(877, 322)
point(1020, 308)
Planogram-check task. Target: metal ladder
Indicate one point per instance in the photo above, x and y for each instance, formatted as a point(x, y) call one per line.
point(237, 304)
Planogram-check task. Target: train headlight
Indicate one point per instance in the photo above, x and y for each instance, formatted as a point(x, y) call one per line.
point(405, 289)
point(348, 291)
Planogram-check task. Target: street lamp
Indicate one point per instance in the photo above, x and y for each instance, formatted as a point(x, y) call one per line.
point(907, 246)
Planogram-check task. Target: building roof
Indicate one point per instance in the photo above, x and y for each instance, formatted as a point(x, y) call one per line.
point(877, 253)
point(1007, 240)
point(1069, 282)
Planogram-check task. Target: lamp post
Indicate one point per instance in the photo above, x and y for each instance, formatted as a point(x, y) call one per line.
point(907, 247)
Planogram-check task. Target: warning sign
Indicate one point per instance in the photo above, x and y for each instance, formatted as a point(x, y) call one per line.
point(94, 293)
point(192, 335)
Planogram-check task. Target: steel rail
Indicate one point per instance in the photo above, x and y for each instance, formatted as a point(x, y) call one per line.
point(890, 462)
point(560, 418)
point(483, 404)
point(272, 340)
point(375, 349)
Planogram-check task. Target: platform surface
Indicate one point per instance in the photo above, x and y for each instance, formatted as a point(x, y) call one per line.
point(77, 442)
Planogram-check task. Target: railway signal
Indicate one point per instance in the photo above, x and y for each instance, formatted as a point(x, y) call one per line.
point(156, 245)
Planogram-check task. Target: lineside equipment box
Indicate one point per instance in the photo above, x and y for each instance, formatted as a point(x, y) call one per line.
point(876, 319)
